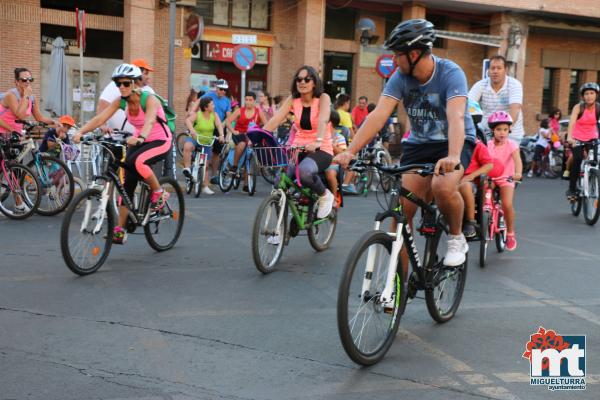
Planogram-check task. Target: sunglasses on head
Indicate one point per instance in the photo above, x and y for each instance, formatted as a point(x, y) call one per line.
point(123, 83)
point(26, 80)
point(306, 79)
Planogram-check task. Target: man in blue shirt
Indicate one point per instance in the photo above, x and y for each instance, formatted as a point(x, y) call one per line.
point(434, 93)
point(223, 109)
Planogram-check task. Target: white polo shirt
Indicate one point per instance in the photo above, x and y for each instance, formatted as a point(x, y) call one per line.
point(491, 101)
point(111, 93)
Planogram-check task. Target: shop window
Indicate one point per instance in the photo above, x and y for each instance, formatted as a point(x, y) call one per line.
point(576, 82)
point(100, 44)
point(340, 23)
point(235, 13)
point(548, 90)
point(113, 8)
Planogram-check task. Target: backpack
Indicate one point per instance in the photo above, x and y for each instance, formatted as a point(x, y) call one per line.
point(170, 114)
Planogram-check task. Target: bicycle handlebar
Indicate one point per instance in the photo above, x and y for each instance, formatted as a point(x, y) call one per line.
point(423, 169)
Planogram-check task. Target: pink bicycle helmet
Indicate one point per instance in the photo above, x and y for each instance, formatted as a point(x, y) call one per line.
point(499, 117)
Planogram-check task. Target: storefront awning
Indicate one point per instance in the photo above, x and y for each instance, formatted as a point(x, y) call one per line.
point(486, 40)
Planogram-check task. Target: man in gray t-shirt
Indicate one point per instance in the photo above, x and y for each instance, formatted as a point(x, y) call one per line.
point(434, 93)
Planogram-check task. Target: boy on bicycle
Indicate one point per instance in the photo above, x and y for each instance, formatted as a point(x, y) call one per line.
point(434, 93)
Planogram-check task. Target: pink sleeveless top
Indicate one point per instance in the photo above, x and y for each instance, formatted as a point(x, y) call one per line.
point(304, 137)
point(586, 127)
point(157, 132)
point(9, 117)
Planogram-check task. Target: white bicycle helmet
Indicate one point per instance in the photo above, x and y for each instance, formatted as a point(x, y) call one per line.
point(127, 71)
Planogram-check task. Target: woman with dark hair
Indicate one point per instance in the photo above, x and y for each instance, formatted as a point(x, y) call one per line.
point(264, 103)
point(311, 108)
point(19, 103)
point(192, 97)
point(203, 125)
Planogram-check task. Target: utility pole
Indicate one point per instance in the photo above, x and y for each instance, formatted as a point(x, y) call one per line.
point(169, 164)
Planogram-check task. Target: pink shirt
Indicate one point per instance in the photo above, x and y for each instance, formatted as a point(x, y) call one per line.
point(304, 137)
point(504, 154)
point(157, 132)
point(9, 117)
point(586, 127)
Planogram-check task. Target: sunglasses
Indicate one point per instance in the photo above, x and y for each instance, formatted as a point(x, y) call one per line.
point(123, 83)
point(306, 79)
point(26, 80)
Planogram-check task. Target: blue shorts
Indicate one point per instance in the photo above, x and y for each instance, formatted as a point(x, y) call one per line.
point(207, 149)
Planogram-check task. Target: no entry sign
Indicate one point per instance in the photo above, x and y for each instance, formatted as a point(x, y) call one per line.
point(385, 65)
point(244, 57)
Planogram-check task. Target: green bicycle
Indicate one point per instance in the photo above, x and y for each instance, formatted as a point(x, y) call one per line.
point(273, 226)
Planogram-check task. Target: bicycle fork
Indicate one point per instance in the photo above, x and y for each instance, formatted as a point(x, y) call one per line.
point(100, 213)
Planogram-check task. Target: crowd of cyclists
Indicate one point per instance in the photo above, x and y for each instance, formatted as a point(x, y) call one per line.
point(466, 134)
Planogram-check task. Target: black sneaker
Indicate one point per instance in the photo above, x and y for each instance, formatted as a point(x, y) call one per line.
point(572, 194)
point(245, 188)
point(469, 229)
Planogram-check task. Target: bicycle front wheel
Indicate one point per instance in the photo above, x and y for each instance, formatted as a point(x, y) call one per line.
point(591, 211)
point(269, 233)
point(164, 226)
point(225, 175)
point(320, 232)
point(367, 325)
point(446, 283)
point(484, 233)
point(199, 180)
point(180, 142)
point(500, 236)
point(252, 174)
point(57, 184)
point(20, 192)
point(86, 233)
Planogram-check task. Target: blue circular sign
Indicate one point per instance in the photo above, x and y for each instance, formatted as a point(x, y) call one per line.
point(244, 57)
point(385, 65)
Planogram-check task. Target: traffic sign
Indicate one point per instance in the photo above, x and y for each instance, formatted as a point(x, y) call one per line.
point(244, 57)
point(385, 65)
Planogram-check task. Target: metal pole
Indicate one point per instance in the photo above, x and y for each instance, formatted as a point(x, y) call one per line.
point(170, 158)
point(80, 72)
point(243, 87)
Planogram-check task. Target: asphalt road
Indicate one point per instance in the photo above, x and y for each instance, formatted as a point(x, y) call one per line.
point(200, 322)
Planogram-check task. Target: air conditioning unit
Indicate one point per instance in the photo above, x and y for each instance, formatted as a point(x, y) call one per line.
point(196, 51)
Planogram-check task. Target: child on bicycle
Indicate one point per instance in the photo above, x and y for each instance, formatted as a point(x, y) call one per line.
point(544, 134)
point(49, 143)
point(339, 145)
point(507, 154)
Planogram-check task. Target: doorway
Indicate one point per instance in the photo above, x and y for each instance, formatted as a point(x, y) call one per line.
point(337, 76)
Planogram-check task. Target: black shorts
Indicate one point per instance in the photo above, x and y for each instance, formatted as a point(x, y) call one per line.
point(242, 137)
point(433, 152)
point(217, 146)
point(539, 152)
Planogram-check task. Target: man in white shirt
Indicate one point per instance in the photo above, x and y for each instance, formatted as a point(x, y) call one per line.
point(500, 92)
point(111, 93)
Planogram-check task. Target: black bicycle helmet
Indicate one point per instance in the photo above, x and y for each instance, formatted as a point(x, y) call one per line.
point(589, 86)
point(410, 35)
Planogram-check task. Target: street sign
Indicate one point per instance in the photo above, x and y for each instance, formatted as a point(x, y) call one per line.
point(243, 39)
point(385, 66)
point(244, 57)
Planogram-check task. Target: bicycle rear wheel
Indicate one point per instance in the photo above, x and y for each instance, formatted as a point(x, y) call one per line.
point(367, 326)
point(591, 211)
point(20, 192)
point(180, 141)
point(86, 233)
point(269, 174)
point(268, 237)
point(321, 234)
point(446, 283)
point(164, 226)
point(252, 175)
point(57, 184)
point(385, 179)
point(484, 234)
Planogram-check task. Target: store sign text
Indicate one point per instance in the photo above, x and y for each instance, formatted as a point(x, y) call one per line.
point(213, 51)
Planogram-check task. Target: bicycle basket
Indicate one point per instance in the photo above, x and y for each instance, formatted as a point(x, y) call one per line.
point(271, 156)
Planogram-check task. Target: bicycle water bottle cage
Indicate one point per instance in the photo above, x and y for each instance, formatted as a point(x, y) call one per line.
point(428, 224)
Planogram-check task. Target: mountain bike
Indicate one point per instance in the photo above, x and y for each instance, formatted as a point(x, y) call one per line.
point(87, 229)
point(198, 169)
point(273, 228)
point(20, 189)
point(56, 179)
point(588, 185)
point(373, 292)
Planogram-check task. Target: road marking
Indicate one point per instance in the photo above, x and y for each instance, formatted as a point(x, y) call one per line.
point(497, 393)
point(476, 379)
point(555, 246)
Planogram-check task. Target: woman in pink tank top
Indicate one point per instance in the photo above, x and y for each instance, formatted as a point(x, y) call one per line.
point(583, 128)
point(311, 108)
point(19, 103)
point(149, 144)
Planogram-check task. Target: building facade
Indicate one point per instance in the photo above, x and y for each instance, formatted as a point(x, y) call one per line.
point(553, 46)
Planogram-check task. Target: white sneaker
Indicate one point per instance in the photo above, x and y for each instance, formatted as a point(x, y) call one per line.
point(207, 190)
point(457, 250)
point(325, 204)
point(274, 240)
point(530, 174)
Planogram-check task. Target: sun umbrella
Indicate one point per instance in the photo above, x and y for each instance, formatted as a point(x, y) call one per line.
point(57, 97)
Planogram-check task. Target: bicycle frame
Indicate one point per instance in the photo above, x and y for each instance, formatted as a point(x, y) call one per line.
point(300, 212)
point(589, 163)
point(493, 206)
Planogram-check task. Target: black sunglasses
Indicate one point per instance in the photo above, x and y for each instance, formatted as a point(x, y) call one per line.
point(26, 80)
point(123, 83)
point(306, 79)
